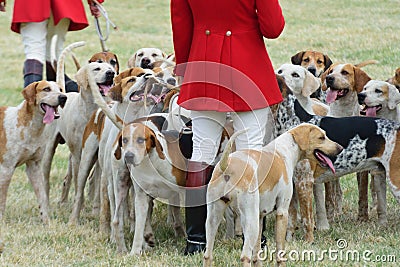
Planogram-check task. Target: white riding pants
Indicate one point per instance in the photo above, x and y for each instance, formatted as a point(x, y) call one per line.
point(208, 126)
point(37, 38)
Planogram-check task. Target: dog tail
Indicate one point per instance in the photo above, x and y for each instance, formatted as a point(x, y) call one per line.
point(366, 62)
point(60, 63)
point(99, 100)
point(223, 163)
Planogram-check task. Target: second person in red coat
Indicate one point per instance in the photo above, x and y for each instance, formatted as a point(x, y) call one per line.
point(221, 54)
point(38, 21)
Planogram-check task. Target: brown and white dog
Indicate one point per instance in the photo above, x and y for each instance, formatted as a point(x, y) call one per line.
point(146, 57)
point(314, 61)
point(395, 80)
point(76, 113)
point(380, 99)
point(156, 165)
point(23, 138)
point(343, 82)
point(258, 182)
point(107, 57)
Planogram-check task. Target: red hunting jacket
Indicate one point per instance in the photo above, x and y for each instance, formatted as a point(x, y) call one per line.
point(228, 68)
point(39, 10)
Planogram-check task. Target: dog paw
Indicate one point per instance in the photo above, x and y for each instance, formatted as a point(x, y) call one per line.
point(321, 226)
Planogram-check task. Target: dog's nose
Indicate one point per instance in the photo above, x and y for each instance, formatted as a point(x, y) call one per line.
point(110, 74)
point(312, 70)
point(361, 98)
point(145, 63)
point(129, 157)
point(330, 80)
point(171, 81)
point(339, 148)
point(62, 99)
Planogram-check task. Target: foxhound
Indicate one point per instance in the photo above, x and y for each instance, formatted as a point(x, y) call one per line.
point(23, 138)
point(259, 182)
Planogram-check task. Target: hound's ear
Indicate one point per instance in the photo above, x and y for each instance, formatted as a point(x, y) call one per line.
point(117, 64)
point(29, 93)
point(164, 55)
point(311, 84)
point(155, 143)
point(82, 77)
point(296, 59)
point(360, 78)
point(301, 136)
point(118, 150)
point(394, 97)
point(115, 93)
point(132, 60)
point(328, 62)
point(323, 77)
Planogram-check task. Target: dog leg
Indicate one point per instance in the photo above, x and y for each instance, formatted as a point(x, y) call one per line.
point(320, 210)
point(280, 233)
point(35, 175)
point(67, 183)
point(120, 192)
point(230, 223)
point(47, 158)
point(362, 182)
point(293, 214)
point(380, 189)
point(95, 179)
point(330, 200)
point(105, 213)
point(141, 213)
point(149, 241)
point(374, 197)
point(84, 170)
point(215, 210)
point(338, 198)
point(304, 189)
point(6, 175)
point(249, 207)
point(176, 216)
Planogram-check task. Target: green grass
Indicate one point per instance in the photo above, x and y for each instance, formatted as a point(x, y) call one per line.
point(348, 31)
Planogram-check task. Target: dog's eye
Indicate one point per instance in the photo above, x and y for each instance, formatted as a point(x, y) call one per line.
point(319, 62)
point(140, 55)
point(125, 140)
point(99, 61)
point(306, 60)
point(113, 62)
point(378, 91)
point(295, 75)
point(47, 89)
point(343, 72)
point(279, 71)
point(133, 79)
point(322, 138)
point(140, 140)
point(97, 69)
point(154, 55)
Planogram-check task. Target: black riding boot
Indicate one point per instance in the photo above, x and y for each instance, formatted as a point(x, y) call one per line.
point(197, 178)
point(70, 85)
point(33, 71)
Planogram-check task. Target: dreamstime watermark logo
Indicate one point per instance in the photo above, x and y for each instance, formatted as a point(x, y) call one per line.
point(341, 252)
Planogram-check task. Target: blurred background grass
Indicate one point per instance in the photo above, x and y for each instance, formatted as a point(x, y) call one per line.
point(347, 31)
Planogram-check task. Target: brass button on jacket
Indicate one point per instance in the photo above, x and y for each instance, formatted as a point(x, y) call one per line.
point(208, 32)
point(228, 33)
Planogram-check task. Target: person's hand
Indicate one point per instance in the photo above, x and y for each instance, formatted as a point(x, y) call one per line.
point(3, 5)
point(94, 9)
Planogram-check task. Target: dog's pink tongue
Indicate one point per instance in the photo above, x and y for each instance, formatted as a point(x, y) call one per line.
point(50, 114)
point(331, 96)
point(371, 111)
point(105, 88)
point(327, 161)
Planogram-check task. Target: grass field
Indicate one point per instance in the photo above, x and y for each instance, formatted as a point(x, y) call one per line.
point(348, 31)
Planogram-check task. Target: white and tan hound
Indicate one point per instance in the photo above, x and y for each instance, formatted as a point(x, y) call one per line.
point(23, 138)
point(258, 182)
